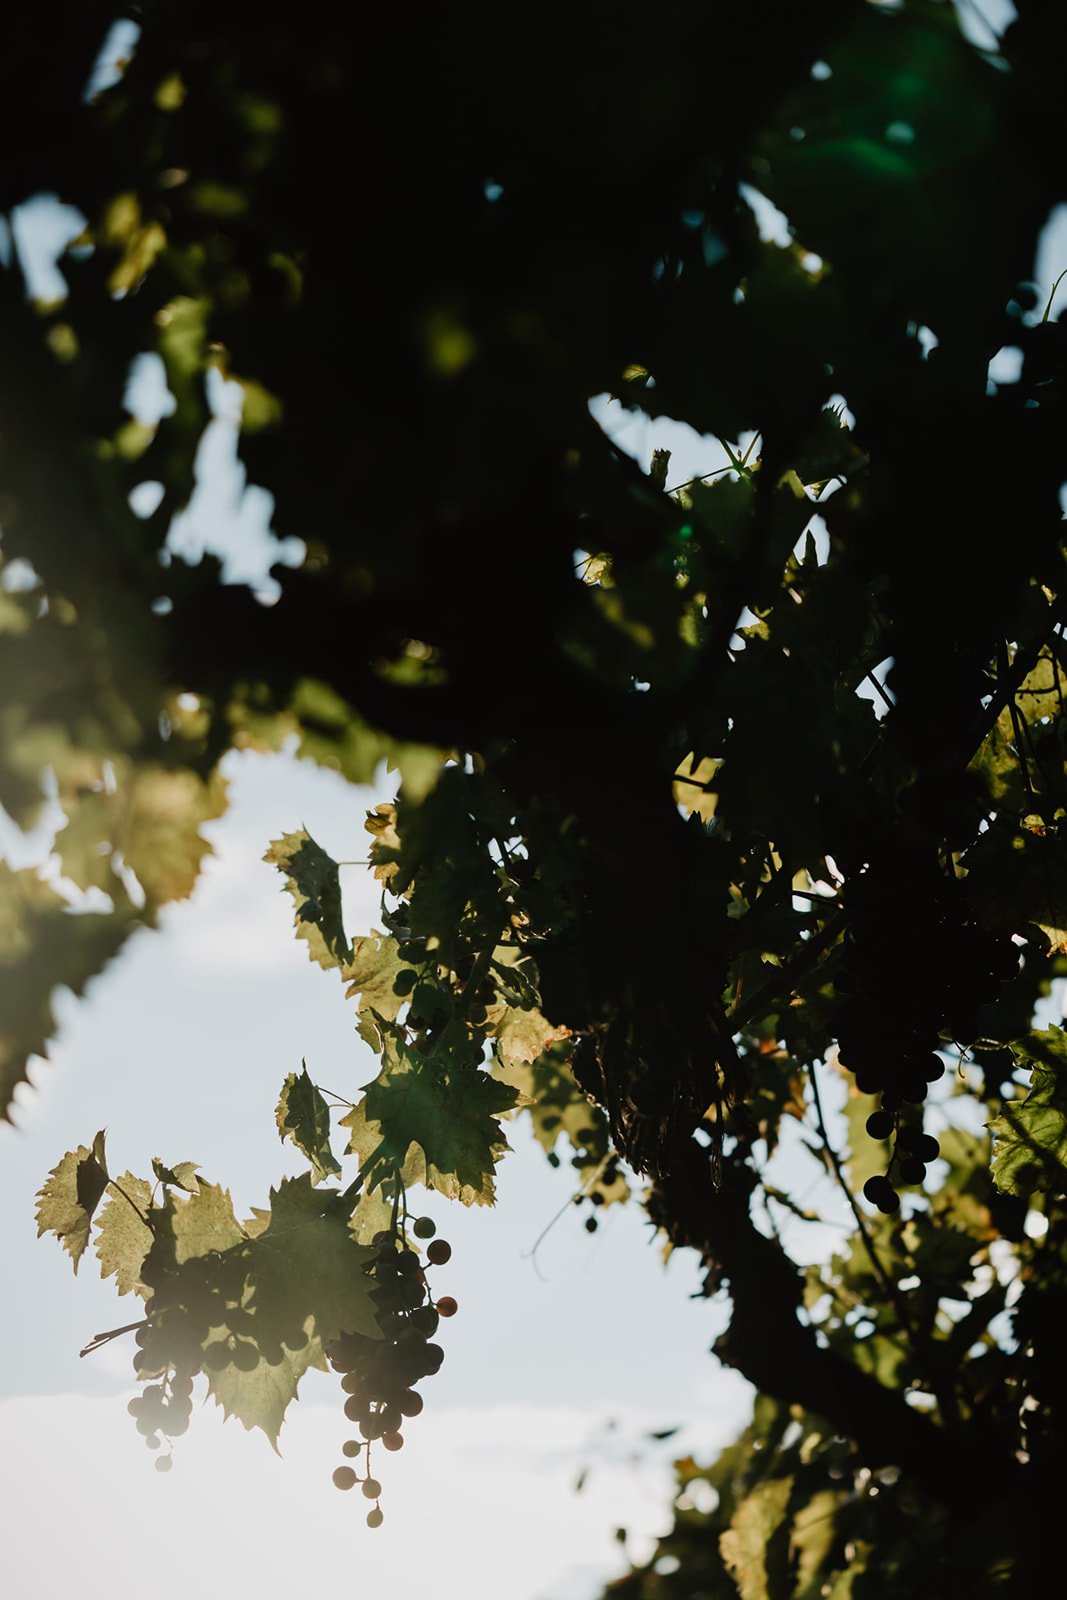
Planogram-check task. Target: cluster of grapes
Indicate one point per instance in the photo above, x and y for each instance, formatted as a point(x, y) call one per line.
point(913, 1152)
point(163, 1409)
point(379, 1375)
point(594, 1196)
point(905, 981)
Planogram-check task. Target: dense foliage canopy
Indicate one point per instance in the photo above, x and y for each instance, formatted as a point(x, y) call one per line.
point(656, 871)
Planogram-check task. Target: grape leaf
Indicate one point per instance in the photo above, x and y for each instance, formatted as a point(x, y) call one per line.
point(385, 848)
point(1042, 691)
point(811, 1540)
point(181, 1176)
point(373, 1214)
point(41, 946)
point(306, 1258)
point(70, 1195)
point(123, 1236)
point(283, 1285)
point(259, 1398)
point(303, 1117)
point(372, 972)
point(152, 817)
point(523, 1035)
point(1030, 1139)
point(744, 1545)
point(312, 878)
point(450, 1114)
point(204, 1224)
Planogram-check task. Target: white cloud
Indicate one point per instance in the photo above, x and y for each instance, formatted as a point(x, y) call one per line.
point(481, 1502)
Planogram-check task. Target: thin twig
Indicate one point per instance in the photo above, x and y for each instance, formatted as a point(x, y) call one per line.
point(888, 1287)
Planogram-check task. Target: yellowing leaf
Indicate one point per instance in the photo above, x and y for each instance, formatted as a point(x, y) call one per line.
point(811, 1540)
point(524, 1035)
point(371, 973)
point(200, 1225)
point(692, 786)
point(70, 1195)
point(1030, 1139)
point(744, 1545)
point(182, 1175)
point(123, 1237)
point(259, 1398)
point(381, 823)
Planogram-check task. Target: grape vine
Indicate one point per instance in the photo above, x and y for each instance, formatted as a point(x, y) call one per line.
point(711, 784)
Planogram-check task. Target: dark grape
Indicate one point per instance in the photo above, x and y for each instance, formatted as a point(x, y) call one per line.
point(393, 1441)
point(927, 1149)
point(439, 1252)
point(344, 1477)
point(446, 1306)
point(375, 1517)
point(411, 1403)
point(245, 1356)
point(433, 1356)
point(912, 1170)
point(877, 1188)
point(351, 1447)
point(880, 1124)
point(591, 1224)
point(371, 1488)
point(354, 1407)
point(424, 1228)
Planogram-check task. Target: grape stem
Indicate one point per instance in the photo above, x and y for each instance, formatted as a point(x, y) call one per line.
point(942, 1393)
point(531, 1254)
point(99, 1339)
point(888, 1287)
